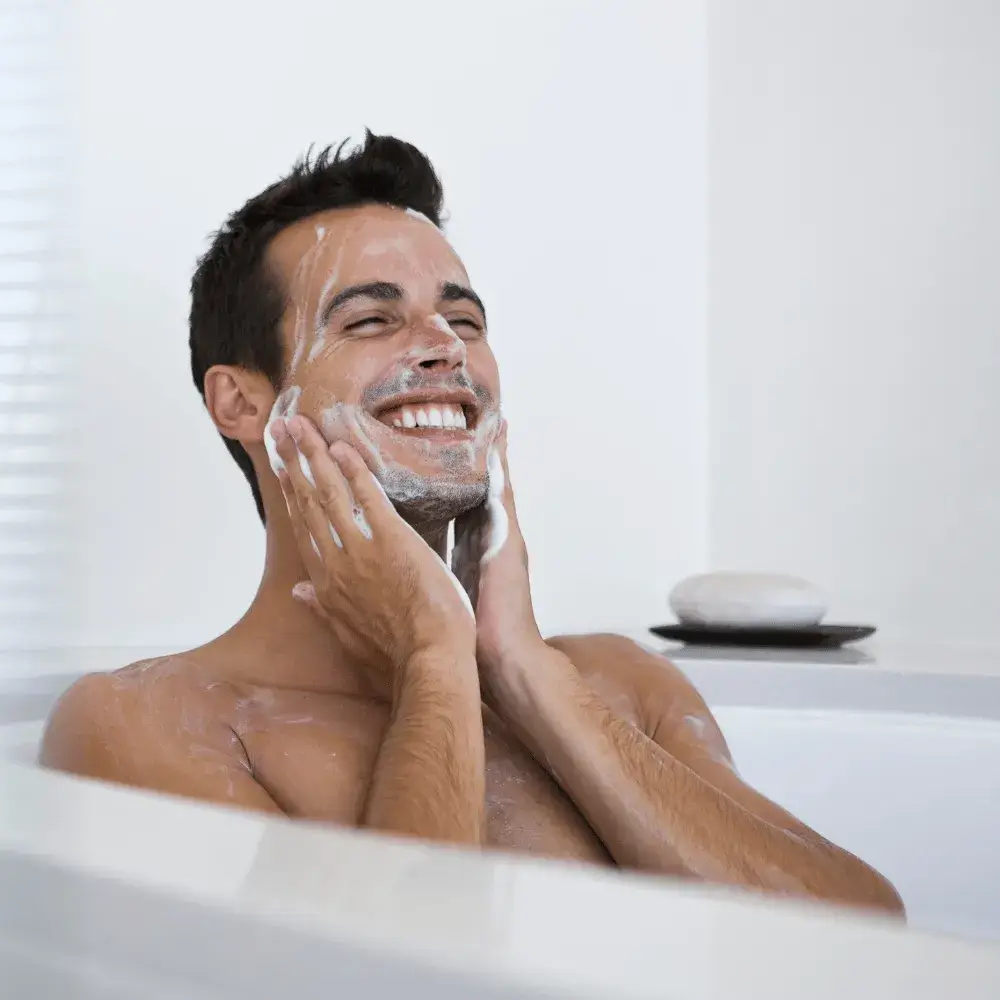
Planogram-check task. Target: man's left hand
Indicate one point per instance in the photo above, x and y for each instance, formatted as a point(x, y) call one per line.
point(491, 561)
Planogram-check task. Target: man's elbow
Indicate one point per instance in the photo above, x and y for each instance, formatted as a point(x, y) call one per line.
point(833, 875)
point(886, 899)
point(865, 888)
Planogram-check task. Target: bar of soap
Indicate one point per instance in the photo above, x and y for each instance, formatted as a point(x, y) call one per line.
point(747, 600)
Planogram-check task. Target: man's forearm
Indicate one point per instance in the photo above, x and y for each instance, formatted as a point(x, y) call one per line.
point(653, 812)
point(429, 774)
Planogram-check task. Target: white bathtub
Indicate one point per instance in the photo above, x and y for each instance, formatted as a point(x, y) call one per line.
point(901, 766)
point(916, 796)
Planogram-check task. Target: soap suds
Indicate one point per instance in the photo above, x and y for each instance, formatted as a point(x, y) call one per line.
point(499, 524)
point(419, 498)
point(303, 280)
point(361, 521)
point(306, 470)
point(461, 592)
point(696, 724)
point(439, 322)
point(319, 332)
point(414, 214)
point(286, 405)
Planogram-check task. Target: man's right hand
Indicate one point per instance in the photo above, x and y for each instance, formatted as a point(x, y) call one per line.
point(372, 575)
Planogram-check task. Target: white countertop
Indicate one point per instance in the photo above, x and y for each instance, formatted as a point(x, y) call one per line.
point(884, 656)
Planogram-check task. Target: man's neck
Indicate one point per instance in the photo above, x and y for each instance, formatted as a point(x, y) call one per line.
point(285, 642)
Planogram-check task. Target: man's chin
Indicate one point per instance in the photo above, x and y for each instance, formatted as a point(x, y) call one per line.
point(429, 479)
point(430, 499)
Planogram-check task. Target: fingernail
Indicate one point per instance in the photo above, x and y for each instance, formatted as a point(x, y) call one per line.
point(278, 429)
point(295, 429)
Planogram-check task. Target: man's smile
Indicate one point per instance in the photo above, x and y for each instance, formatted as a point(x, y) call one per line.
point(436, 414)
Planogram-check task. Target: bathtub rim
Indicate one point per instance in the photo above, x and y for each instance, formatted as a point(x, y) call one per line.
point(739, 937)
point(764, 932)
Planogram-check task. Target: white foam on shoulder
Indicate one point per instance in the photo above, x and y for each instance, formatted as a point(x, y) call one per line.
point(413, 213)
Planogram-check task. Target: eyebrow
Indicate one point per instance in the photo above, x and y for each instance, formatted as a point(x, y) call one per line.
point(388, 291)
point(382, 291)
point(450, 292)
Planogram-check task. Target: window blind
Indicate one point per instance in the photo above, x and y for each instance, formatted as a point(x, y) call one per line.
point(32, 133)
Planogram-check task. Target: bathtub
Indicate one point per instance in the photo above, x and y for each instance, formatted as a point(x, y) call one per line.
point(895, 757)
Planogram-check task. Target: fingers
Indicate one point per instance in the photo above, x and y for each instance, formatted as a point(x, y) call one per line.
point(317, 538)
point(499, 464)
point(308, 548)
point(320, 489)
point(368, 494)
point(500, 446)
point(501, 440)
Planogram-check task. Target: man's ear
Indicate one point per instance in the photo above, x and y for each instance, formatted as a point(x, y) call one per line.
point(239, 402)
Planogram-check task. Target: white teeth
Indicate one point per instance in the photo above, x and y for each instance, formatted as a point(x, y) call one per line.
point(434, 415)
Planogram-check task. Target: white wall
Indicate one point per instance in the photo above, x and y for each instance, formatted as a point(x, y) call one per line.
point(847, 199)
point(570, 137)
point(854, 304)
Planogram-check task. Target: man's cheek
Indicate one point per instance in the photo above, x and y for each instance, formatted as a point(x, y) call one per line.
point(343, 422)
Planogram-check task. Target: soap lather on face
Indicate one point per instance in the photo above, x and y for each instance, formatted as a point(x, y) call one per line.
point(286, 405)
point(388, 348)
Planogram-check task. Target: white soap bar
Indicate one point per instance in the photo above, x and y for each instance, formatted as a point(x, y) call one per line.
point(747, 599)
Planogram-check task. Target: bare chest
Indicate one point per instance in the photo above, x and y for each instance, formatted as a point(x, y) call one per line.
point(316, 761)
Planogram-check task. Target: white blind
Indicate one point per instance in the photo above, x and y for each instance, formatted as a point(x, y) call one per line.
point(32, 141)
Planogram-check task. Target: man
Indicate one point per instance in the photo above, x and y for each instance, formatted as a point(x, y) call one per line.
point(344, 358)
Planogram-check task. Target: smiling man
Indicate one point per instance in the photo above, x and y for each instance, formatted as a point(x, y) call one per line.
point(343, 355)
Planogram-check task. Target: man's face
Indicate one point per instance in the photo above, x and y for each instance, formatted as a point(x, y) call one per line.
point(385, 347)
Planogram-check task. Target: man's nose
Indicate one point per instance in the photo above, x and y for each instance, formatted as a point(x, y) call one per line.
point(440, 348)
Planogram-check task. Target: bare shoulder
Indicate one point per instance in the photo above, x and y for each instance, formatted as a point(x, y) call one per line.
point(615, 664)
point(648, 690)
point(103, 714)
point(154, 724)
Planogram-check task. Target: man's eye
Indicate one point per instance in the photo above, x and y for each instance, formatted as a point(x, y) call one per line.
point(463, 321)
point(367, 321)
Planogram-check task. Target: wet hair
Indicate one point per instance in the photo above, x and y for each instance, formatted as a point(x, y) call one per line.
point(237, 301)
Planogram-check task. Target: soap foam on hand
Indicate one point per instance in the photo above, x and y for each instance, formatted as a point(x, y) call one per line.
point(748, 600)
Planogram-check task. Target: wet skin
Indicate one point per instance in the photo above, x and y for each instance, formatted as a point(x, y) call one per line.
point(320, 698)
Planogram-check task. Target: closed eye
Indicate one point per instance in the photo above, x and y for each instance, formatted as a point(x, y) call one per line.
point(357, 324)
point(462, 321)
